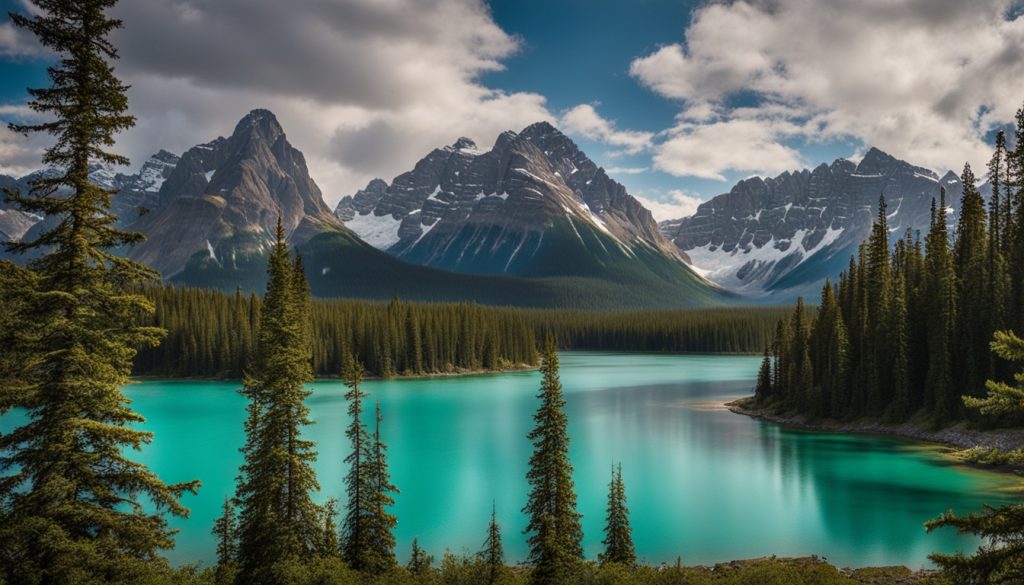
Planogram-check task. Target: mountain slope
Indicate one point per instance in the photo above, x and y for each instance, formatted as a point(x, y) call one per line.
point(533, 205)
point(221, 202)
point(216, 211)
point(780, 237)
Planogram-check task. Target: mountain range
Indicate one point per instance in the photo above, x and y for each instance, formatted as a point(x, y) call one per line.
point(780, 237)
point(501, 227)
point(531, 221)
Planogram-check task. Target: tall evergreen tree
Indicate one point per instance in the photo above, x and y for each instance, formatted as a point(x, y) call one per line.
point(224, 530)
point(941, 299)
point(876, 306)
point(829, 362)
point(763, 390)
point(70, 493)
point(382, 522)
point(973, 315)
point(361, 505)
point(618, 539)
point(493, 554)
point(554, 529)
point(278, 520)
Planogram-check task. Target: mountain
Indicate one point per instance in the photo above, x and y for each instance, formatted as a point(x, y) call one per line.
point(533, 205)
point(221, 201)
point(780, 237)
point(212, 222)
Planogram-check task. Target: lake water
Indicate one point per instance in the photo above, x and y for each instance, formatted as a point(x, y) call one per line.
point(703, 483)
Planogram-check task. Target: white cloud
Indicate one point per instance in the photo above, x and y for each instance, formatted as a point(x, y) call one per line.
point(626, 170)
point(363, 87)
point(674, 204)
point(583, 120)
point(706, 150)
point(923, 79)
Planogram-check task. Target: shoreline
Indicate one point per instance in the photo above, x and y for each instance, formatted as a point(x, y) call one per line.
point(958, 438)
point(457, 373)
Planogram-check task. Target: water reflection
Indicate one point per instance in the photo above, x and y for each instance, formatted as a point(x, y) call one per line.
point(703, 483)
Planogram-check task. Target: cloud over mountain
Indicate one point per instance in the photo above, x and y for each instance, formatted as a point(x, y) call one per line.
point(925, 79)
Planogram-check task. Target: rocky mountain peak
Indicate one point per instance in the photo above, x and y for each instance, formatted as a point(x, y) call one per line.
point(464, 143)
point(468, 210)
point(785, 234)
point(229, 193)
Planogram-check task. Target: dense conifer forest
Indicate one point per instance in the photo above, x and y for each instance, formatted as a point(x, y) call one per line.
point(909, 325)
point(211, 334)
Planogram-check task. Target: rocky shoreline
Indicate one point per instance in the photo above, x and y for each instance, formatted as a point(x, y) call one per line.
point(958, 436)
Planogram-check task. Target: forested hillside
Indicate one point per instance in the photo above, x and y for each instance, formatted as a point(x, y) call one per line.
point(908, 327)
point(210, 333)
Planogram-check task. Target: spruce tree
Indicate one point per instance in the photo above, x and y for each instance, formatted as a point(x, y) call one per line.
point(940, 395)
point(382, 523)
point(554, 529)
point(618, 540)
point(329, 545)
point(419, 561)
point(278, 521)
point(876, 306)
point(493, 554)
point(973, 314)
point(357, 528)
point(224, 530)
point(829, 351)
point(1000, 558)
point(70, 494)
point(763, 390)
point(899, 373)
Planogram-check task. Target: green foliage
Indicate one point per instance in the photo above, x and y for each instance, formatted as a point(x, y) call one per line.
point(909, 331)
point(225, 531)
point(554, 529)
point(278, 521)
point(420, 562)
point(493, 554)
point(212, 334)
point(70, 494)
point(618, 535)
point(1000, 558)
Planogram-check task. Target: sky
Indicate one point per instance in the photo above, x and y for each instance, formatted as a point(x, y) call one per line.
point(677, 99)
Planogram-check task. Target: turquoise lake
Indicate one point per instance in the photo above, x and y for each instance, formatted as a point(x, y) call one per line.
point(703, 483)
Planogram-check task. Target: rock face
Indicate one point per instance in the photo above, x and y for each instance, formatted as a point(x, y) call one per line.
point(532, 205)
point(136, 194)
point(222, 200)
point(782, 236)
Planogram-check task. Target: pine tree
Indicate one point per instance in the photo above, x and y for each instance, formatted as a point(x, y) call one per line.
point(554, 529)
point(419, 561)
point(224, 530)
point(70, 494)
point(800, 374)
point(763, 390)
point(493, 554)
point(278, 521)
point(829, 356)
point(618, 541)
point(973, 314)
point(877, 302)
point(382, 523)
point(899, 373)
point(1000, 559)
point(941, 300)
point(357, 529)
point(329, 546)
